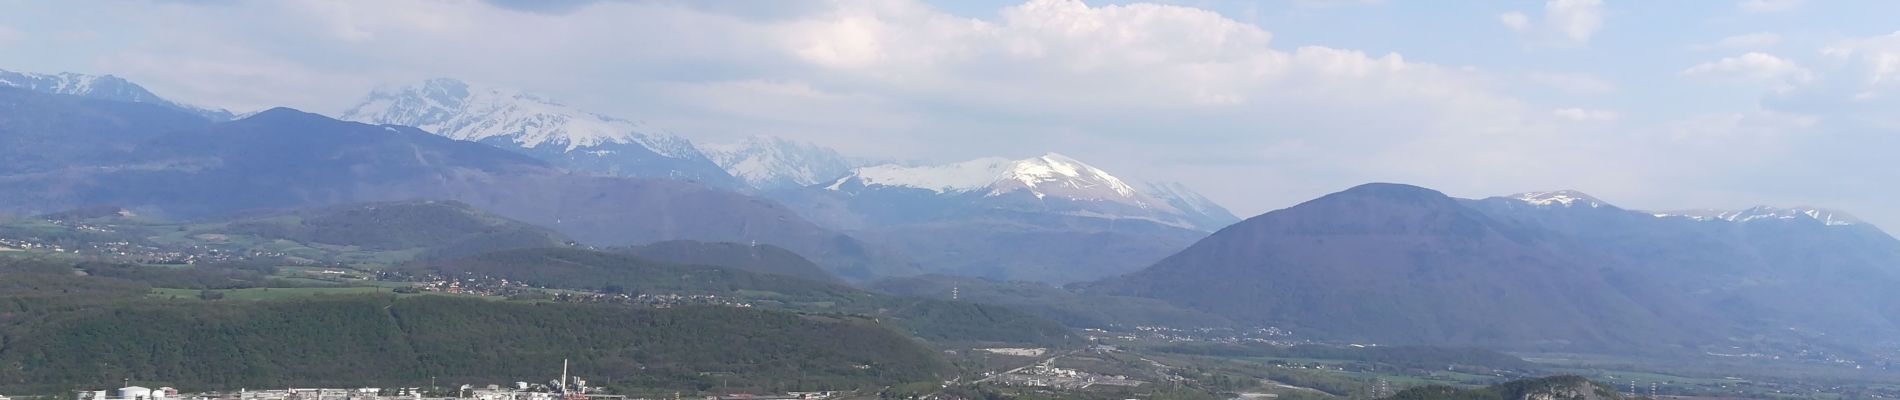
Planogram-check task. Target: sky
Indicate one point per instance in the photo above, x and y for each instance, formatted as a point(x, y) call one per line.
point(1258, 104)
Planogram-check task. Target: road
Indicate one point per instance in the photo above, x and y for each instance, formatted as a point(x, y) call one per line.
point(1045, 361)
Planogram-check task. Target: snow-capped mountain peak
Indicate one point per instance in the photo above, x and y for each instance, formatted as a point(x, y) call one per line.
point(104, 87)
point(1042, 176)
point(1766, 213)
point(1041, 182)
point(459, 110)
point(540, 127)
point(1058, 173)
point(1559, 198)
point(770, 162)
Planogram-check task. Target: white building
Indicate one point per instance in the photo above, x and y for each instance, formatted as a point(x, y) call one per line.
point(140, 393)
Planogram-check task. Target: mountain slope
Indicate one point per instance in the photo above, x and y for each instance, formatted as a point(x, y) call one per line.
point(1032, 247)
point(46, 133)
point(1548, 388)
point(285, 159)
point(773, 163)
point(1052, 302)
point(548, 130)
point(1542, 270)
point(101, 87)
point(441, 229)
point(1199, 210)
point(1402, 264)
point(758, 258)
point(936, 320)
point(1818, 272)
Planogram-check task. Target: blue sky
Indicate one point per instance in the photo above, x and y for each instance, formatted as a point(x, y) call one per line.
point(1259, 104)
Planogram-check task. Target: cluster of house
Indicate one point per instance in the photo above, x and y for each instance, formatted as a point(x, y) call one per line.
point(129, 393)
point(522, 391)
point(1045, 375)
point(166, 393)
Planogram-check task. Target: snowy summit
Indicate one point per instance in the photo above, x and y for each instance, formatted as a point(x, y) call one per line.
point(540, 127)
point(457, 110)
point(1050, 174)
point(1045, 181)
point(103, 87)
point(1560, 198)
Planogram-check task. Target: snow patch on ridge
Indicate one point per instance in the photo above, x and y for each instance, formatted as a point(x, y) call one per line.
point(1766, 213)
point(768, 162)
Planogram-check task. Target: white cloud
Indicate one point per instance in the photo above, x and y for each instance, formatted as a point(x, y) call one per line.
point(1752, 67)
point(1334, 3)
point(1876, 60)
point(1585, 114)
point(1763, 6)
point(1754, 128)
point(1858, 85)
point(1517, 21)
point(1748, 41)
point(1569, 21)
point(1573, 83)
point(1577, 19)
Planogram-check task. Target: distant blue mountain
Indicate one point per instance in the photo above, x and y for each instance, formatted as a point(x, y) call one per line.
point(156, 160)
point(103, 87)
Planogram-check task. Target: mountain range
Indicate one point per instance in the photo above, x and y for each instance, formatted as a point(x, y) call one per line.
point(159, 161)
point(102, 87)
point(1049, 184)
point(548, 130)
point(1391, 263)
point(1050, 218)
point(1382, 263)
point(774, 163)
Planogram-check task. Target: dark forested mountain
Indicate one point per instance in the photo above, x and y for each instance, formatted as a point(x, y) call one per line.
point(163, 162)
point(363, 341)
point(43, 134)
point(1402, 264)
point(1052, 302)
point(1820, 272)
point(752, 257)
point(610, 272)
point(1005, 245)
point(1551, 388)
point(440, 228)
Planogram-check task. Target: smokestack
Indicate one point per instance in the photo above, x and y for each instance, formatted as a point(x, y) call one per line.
point(563, 376)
